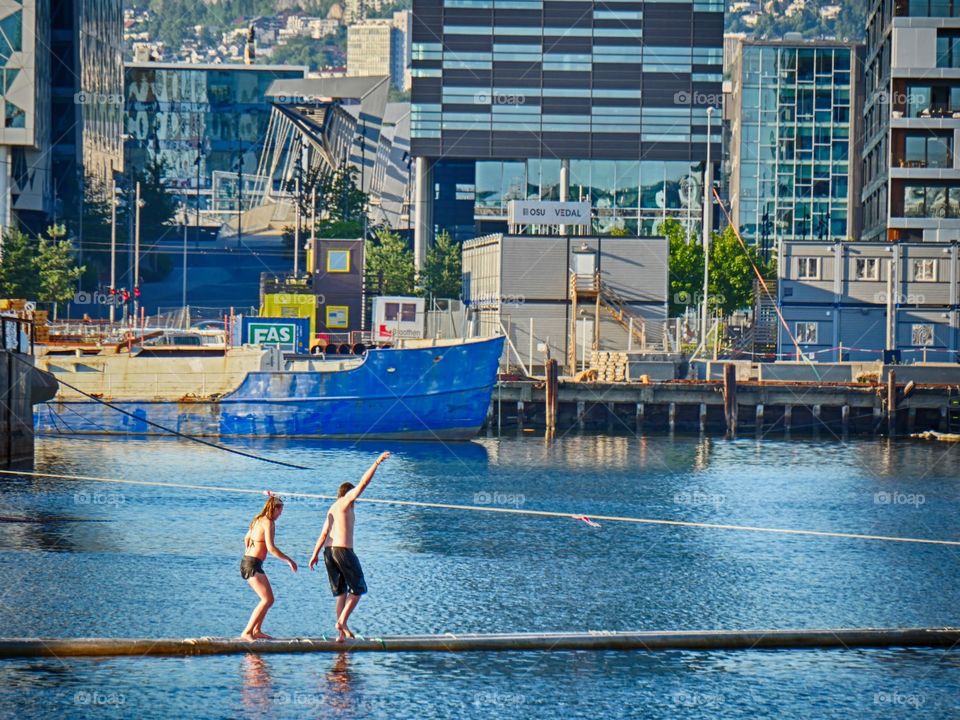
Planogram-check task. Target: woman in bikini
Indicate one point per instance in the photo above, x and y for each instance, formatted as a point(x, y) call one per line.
point(258, 542)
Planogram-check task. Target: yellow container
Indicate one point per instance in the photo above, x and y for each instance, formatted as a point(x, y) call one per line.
point(291, 305)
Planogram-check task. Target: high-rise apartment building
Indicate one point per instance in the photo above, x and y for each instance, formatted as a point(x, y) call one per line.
point(376, 47)
point(604, 102)
point(61, 102)
point(26, 195)
point(911, 168)
point(794, 145)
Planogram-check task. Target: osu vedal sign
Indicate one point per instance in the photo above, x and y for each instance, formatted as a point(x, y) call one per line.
point(548, 212)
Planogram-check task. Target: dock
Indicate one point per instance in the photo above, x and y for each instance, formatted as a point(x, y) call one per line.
point(728, 406)
point(837, 638)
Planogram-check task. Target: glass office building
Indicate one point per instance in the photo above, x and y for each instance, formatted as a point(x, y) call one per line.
point(200, 121)
point(794, 150)
point(529, 98)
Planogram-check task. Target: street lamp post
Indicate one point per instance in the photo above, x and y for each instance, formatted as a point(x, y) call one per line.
point(136, 254)
point(113, 249)
point(240, 199)
point(183, 299)
point(707, 217)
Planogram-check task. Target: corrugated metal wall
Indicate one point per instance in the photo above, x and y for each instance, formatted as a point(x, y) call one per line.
point(853, 312)
point(529, 277)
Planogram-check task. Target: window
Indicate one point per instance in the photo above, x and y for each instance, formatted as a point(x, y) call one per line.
point(927, 150)
point(338, 261)
point(924, 270)
point(338, 317)
point(948, 49)
point(808, 268)
point(400, 312)
point(921, 335)
point(805, 332)
point(867, 268)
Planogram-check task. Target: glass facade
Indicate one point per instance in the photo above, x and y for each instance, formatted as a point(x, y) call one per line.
point(794, 143)
point(624, 194)
point(175, 112)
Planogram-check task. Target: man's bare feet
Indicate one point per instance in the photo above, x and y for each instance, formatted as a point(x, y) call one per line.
point(260, 635)
point(343, 632)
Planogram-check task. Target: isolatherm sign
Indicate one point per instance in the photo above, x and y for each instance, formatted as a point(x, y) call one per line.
point(548, 212)
point(291, 334)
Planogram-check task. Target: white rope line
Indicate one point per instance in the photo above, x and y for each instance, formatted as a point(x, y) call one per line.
point(503, 510)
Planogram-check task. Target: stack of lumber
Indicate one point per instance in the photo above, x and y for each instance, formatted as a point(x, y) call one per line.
point(41, 331)
point(610, 366)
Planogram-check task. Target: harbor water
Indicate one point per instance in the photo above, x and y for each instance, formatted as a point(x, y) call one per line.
point(83, 558)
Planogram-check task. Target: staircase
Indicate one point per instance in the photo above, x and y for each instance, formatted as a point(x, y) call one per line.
point(620, 311)
point(763, 333)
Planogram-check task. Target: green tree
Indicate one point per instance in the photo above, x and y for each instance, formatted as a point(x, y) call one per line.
point(390, 266)
point(56, 268)
point(442, 275)
point(731, 270)
point(686, 267)
point(18, 272)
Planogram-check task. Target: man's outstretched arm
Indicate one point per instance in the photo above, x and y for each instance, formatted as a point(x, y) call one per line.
point(365, 480)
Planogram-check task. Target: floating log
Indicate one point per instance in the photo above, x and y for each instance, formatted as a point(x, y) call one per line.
point(934, 435)
point(542, 642)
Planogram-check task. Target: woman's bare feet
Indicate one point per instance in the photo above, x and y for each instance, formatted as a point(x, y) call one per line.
point(260, 635)
point(247, 636)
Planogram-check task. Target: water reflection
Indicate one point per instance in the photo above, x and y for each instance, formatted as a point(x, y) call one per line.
point(257, 685)
point(339, 695)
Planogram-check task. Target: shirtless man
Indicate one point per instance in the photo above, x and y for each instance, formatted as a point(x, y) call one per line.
point(336, 539)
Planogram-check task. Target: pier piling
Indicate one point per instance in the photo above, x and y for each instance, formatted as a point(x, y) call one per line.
point(891, 403)
point(551, 387)
point(730, 397)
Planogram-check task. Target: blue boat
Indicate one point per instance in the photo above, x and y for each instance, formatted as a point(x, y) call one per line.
point(433, 390)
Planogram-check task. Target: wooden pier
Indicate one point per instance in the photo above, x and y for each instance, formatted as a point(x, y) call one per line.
point(598, 640)
point(728, 406)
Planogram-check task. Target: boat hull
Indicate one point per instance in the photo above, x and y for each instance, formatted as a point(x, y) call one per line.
point(429, 393)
